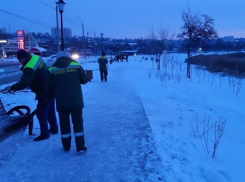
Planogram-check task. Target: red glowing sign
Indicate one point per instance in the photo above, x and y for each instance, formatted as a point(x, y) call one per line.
point(20, 39)
point(20, 33)
point(21, 42)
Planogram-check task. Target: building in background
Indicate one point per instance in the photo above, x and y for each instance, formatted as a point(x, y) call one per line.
point(67, 33)
point(229, 39)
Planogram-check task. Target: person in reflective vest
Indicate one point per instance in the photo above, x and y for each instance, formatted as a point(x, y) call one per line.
point(37, 76)
point(68, 76)
point(103, 61)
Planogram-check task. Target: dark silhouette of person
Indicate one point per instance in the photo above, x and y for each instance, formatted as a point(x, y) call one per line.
point(103, 67)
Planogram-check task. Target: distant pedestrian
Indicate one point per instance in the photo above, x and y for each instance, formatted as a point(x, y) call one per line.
point(67, 76)
point(36, 76)
point(126, 57)
point(111, 60)
point(103, 67)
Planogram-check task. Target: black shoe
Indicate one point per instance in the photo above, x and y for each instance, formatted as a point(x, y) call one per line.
point(66, 142)
point(82, 151)
point(67, 149)
point(40, 137)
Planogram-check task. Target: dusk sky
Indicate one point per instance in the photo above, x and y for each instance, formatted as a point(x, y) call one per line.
point(121, 18)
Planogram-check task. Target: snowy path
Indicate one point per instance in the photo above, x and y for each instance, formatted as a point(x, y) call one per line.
point(117, 134)
point(138, 128)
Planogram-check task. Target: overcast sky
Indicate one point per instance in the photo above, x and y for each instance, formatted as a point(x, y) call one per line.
point(121, 18)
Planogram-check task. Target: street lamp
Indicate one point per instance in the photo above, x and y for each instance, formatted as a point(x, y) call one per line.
point(57, 29)
point(87, 37)
point(61, 5)
point(110, 48)
point(102, 48)
point(83, 49)
point(9, 27)
point(87, 44)
point(93, 30)
point(94, 40)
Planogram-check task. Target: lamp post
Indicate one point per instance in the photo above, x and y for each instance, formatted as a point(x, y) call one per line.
point(9, 27)
point(57, 29)
point(94, 41)
point(61, 5)
point(87, 46)
point(102, 48)
point(110, 48)
point(87, 40)
point(83, 37)
point(93, 30)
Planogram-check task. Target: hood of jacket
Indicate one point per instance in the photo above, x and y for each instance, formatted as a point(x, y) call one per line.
point(62, 62)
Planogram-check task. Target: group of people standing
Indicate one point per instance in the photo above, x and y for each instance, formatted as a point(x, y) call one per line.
point(61, 83)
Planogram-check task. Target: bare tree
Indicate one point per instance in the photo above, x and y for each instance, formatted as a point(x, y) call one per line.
point(158, 42)
point(197, 29)
point(163, 34)
point(153, 40)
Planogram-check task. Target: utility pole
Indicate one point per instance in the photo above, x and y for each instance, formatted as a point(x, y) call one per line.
point(87, 40)
point(83, 41)
point(95, 44)
point(83, 38)
point(102, 47)
point(87, 45)
point(9, 32)
point(57, 30)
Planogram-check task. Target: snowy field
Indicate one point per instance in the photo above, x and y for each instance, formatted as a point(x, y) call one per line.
point(141, 125)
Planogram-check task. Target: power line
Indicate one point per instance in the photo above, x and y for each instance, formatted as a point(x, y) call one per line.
point(27, 19)
point(63, 14)
point(46, 4)
point(36, 21)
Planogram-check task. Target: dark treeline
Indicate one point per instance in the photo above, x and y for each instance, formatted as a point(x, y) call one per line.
point(139, 45)
point(228, 64)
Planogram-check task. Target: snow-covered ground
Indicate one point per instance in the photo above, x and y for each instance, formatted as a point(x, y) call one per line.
point(141, 125)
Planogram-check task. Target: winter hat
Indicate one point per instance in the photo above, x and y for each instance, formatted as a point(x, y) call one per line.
point(63, 54)
point(22, 54)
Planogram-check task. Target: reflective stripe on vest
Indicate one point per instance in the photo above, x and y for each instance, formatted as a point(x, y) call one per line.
point(34, 62)
point(71, 65)
point(78, 134)
point(66, 135)
point(102, 57)
point(52, 69)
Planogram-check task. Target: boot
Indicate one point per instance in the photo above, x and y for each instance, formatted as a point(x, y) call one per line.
point(40, 138)
point(66, 142)
point(82, 151)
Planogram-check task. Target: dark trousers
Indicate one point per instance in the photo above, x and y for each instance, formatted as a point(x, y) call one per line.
point(65, 128)
point(103, 75)
point(46, 114)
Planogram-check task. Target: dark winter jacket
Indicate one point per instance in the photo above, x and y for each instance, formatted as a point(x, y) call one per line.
point(36, 76)
point(67, 75)
point(102, 63)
